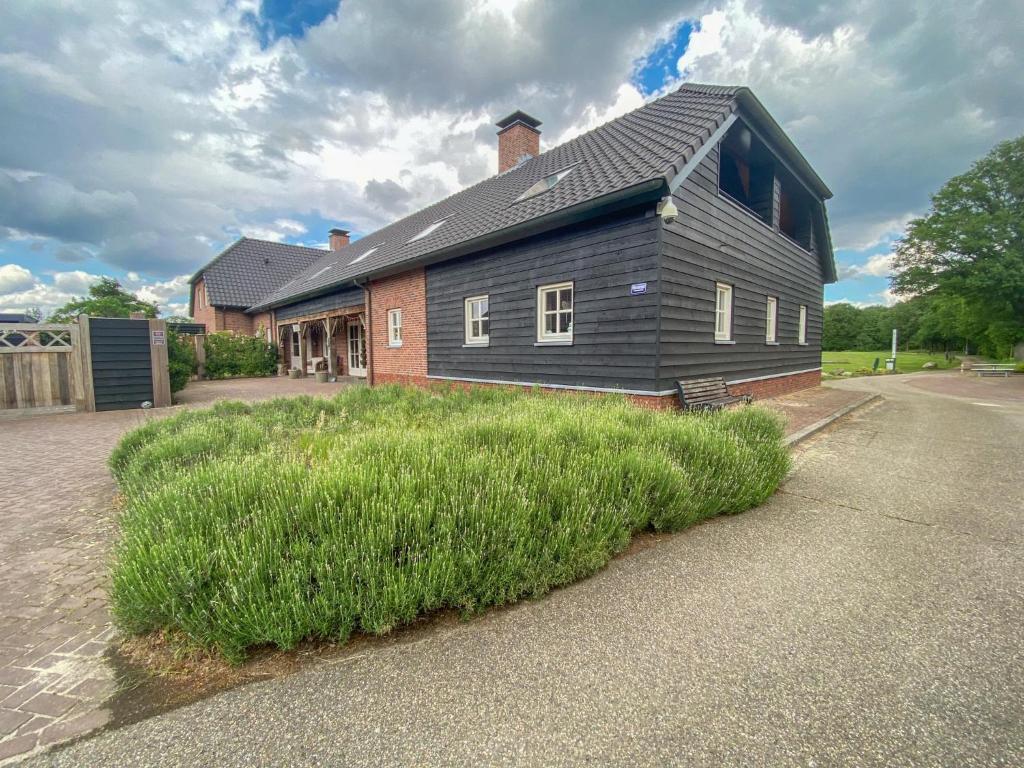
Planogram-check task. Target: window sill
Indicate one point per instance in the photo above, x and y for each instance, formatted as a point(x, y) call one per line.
point(394, 344)
point(553, 343)
point(802, 344)
point(771, 343)
point(476, 344)
point(724, 341)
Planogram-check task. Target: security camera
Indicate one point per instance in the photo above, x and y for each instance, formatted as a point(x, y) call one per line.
point(667, 210)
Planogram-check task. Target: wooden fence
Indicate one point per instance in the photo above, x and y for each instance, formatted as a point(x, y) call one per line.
point(47, 368)
point(41, 367)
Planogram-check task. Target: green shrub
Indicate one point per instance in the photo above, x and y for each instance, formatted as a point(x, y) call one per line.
point(228, 354)
point(181, 360)
point(270, 523)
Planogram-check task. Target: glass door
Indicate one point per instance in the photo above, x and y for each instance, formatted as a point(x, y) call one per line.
point(356, 349)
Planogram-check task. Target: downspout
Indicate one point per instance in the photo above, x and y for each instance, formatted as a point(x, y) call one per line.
point(369, 333)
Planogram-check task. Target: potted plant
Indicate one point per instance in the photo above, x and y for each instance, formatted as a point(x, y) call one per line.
point(321, 372)
point(294, 373)
point(282, 369)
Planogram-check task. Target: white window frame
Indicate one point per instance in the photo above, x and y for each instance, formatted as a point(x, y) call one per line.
point(543, 337)
point(801, 333)
point(771, 321)
point(395, 327)
point(481, 339)
point(723, 312)
point(296, 343)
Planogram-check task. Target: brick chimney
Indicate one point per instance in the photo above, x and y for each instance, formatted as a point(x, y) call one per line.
point(518, 137)
point(338, 239)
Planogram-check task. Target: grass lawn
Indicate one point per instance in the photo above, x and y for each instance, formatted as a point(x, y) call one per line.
point(859, 363)
point(302, 518)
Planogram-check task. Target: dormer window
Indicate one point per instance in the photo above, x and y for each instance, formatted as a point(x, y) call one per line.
point(746, 172)
point(544, 184)
point(433, 227)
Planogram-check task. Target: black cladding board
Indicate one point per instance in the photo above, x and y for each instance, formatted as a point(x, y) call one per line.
point(347, 297)
point(122, 376)
point(715, 240)
point(614, 331)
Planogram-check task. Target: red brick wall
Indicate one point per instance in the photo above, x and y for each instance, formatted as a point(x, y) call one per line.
point(406, 364)
point(779, 385)
point(266, 321)
point(234, 320)
point(514, 142)
point(201, 311)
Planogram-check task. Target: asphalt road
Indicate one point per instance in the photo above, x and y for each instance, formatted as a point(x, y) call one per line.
point(870, 614)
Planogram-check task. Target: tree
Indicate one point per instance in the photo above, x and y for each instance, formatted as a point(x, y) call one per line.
point(970, 247)
point(181, 360)
point(841, 327)
point(106, 299)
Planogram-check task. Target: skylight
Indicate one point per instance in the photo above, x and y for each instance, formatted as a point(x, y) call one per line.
point(545, 184)
point(363, 255)
point(436, 225)
point(321, 271)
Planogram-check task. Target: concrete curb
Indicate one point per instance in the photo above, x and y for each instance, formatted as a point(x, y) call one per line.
point(798, 437)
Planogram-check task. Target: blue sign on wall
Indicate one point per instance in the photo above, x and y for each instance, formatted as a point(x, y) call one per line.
point(637, 288)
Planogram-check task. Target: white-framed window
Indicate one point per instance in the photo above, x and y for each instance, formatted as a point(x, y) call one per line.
point(801, 333)
point(771, 320)
point(478, 320)
point(296, 339)
point(200, 296)
point(394, 327)
point(554, 312)
point(723, 312)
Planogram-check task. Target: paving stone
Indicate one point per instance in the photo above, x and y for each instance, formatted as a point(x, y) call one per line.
point(51, 704)
point(17, 746)
point(76, 726)
point(11, 719)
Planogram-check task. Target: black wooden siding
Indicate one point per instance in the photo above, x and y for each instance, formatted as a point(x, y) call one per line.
point(122, 375)
point(346, 297)
point(714, 240)
point(614, 333)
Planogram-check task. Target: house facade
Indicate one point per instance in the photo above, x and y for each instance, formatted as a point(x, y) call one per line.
point(688, 238)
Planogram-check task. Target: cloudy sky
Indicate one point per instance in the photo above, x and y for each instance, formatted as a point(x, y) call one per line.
point(137, 139)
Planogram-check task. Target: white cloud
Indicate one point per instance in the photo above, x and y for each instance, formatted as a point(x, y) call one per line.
point(14, 278)
point(20, 289)
point(877, 265)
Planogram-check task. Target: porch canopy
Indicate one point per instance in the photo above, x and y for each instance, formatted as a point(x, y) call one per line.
point(321, 336)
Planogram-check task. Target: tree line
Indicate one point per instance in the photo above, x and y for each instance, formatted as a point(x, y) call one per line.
point(960, 267)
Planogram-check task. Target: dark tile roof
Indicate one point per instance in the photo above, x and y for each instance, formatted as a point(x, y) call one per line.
point(650, 144)
point(249, 269)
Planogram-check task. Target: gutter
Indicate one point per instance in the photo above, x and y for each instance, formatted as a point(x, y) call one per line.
point(645, 191)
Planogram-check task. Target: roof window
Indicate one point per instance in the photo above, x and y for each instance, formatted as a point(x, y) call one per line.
point(545, 184)
point(363, 255)
point(436, 225)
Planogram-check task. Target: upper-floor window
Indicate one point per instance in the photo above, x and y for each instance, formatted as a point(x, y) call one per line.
point(554, 312)
point(746, 172)
point(478, 322)
point(771, 320)
point(723, 312)
point(201, 296)
point(801, 334)
point(394, 327)
point(795, 212)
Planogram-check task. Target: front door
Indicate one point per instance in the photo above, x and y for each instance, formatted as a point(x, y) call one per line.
point(356, 349)
point(294, 343)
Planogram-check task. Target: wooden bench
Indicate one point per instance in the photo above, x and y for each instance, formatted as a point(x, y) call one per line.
point(708, 394)
point(993, 369)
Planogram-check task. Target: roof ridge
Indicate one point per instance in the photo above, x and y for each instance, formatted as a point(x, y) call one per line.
point(278, 242)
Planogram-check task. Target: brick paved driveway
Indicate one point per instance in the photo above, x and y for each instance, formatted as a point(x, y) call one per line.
point(56, 525)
